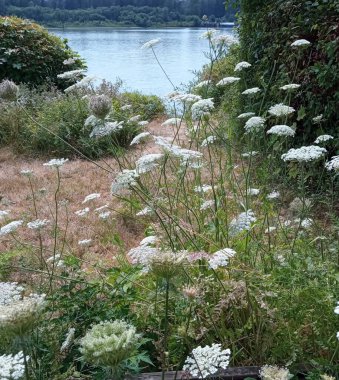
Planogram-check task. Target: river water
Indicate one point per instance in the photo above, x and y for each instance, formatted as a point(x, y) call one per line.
point(113, 53)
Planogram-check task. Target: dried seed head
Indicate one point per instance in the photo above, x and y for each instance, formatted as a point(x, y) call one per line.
point(8, 90)
point(100, 105)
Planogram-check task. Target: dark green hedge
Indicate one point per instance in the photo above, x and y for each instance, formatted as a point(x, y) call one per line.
point(267, 29)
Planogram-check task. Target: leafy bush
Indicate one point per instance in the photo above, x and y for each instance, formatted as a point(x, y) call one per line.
point(29, 54)
point(267, 29)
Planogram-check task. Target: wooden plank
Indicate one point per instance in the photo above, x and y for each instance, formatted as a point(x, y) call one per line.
point(235, 373)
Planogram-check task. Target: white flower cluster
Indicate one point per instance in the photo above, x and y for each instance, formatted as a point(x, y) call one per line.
point(333, 164)
point(148, 162)
point(145, 211)
point(91, 197)
point(249, 154)
point(71, 75)
point(3, 213)
point(251, 91)
point(317, 119)
point(242, 222)
point(56, 162)
point(26, 172)
point(202, 84)
point(202, 108)
point(246, 115)
point(221, 258)
point(123, 181)
point(134, 119)
point(209, 140)
point(206, 361)
point(81, 84)
point(173, 121)
point(281, 130)
point(224, 40)
point(82, 212)
point(323, 138)
point(210, 33)
point(288, 87)
point(252, 191)
point(273, 195)
point(104, 215)
point(304, 154)
point(12, 367)
point(242, 65)
point(108, 343)
point(68, 341)
point(38, 224)
point(254, 124)
point(207, 205)
point(203, 188)
point(186, 98)
point(84, 242)
point(228, 80)
point(301, 42)
point(280, 110)
point(10, 227)
point(140, 137)
point(270, 372)
point(150, 44)
point(10, 292)
point(106, 129)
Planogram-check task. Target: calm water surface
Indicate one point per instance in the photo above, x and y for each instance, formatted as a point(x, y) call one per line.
point(112, 53)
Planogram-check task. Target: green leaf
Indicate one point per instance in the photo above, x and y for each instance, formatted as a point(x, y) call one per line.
point(301, 113)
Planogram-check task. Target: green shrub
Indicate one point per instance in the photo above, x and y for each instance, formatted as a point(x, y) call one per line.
point(147, 106)
point(267, 29)
point(29, 54)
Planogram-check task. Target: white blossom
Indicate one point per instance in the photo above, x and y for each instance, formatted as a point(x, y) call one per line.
point(224, 40)
point(333, 164)
point(56, 162)
point(71, 75)
point(291, 86)
point(104, 215)
point(253, 191)
point(221, 258)
point(12, 367)
point(90, 197)
point(150, 44)
point(134, 119)
point(227, 80)
point(124, 181)
point(149, 240)
point(173, 121)
point(209, 140)
point(210, 33)
point(82, 212)
point(254, 124)
point(143, 123)
point(281, 130)
point(101, 208)
point(26, 172)
point(148, 162)
point(336, 309)
point(306, 223)
point(186, 98)
point(249, 154)
point(246, 115)
point(323, 138)
point(83, 83)
point(273, 195)
point(317, 119)
point(38, 224)
point(202, 108)
point(270, 229)
point(242, 65)
point(301, 42)
point(10, 292)
point(140, 137)
point(203, 188)
point(69, 340)
point(242, 222)
point(126, 107)
point(145, 211)
point(10, 227)
point(106, 128)
point(69, 61)
point(85, 242)
point(280, 109)
point(268, 372)
point(3, 213)
point(304, 154)
point(206, 361)
point(251, 91)
point(207, 205)
point(203, 84)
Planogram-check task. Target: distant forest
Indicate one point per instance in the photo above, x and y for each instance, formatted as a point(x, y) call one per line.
point(143, 13)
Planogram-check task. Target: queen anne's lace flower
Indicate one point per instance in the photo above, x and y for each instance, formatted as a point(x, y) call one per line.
point(10, 292)
point(84, 242)
point(71, 75)
point(242, 65)
point(202, 84)
point(268, 372)
point(150, 44)
point(82, 212)
point(173, 121)
point(143, 123)
point(246, 115)
point(107, 128)
point(207, 205)
point(206, 361)
point(288, 87)
point(336, 309)
point(126, 107)
point(202, 108)
point(104, 215)
point(38, 224)
point(273, 195)
point(323, 138)
point(56, 162)
point(124, 181)
point(209, 140)
point(280, 110)
point(301, 42)
point(91, 197)
point(242, 222)
point(333, 164)
point(249, 154)
point(224, 40)
point(317, 119)
point(68, 341)
point(109, 343)
point(304, 154)
point(228, 80)
point(145, 211)
point(3, 213)
point(253, 191)
point(140, 137)
point(134, 119)
point(281, 130)
point(251, 91)
point(254, 124)
point(210, 33)
point(186, 98)
point(149, 240)
point(203, 188)
point(10, 227)
point(221, 258)
point(148, 162)
point(12, 367)
point(26, 172)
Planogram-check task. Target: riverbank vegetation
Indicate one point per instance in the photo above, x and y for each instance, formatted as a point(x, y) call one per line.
point(211, 242)
point(119, 13)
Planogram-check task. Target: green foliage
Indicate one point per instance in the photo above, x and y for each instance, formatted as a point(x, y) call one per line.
point(147, 106)
point(267, 30)
point(29, 54)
